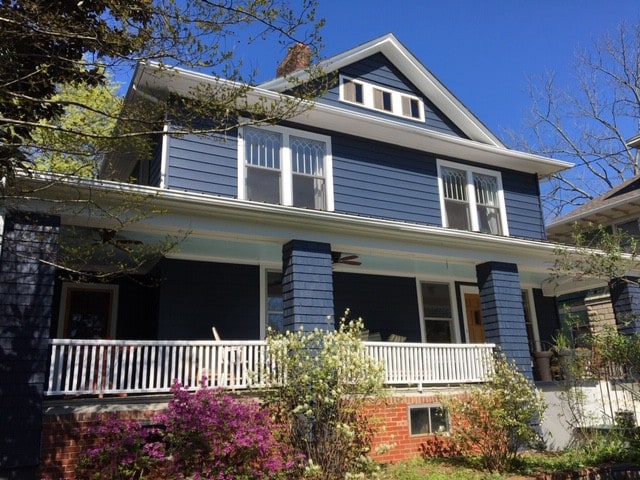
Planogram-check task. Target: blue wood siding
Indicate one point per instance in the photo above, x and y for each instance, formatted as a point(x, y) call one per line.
point(195, 296)
point(388, 305)
point(503, 312)
point(307, 285)
point(27, 278)
point(384, 181)
point(524, 211)
point(204, 163)
point(379, 71)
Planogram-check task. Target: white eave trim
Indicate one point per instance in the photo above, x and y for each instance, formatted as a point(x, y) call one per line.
point(333, 118)
point(185, 203)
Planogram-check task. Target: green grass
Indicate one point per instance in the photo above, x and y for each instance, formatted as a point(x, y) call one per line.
point(599, 452)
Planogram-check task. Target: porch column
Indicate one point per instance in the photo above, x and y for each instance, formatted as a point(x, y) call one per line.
point(26, 293)
point(307, 285)
point(503, 312)
point(625, 297)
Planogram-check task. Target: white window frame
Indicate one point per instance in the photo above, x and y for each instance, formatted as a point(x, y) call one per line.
point(70, 286)
point(455, 327)
point(471, 196)
point(286, 177)
point(430, 407)
point(368, 99)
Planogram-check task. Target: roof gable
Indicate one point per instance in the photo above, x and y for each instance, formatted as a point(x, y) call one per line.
point(416, 73)
point(378, 71)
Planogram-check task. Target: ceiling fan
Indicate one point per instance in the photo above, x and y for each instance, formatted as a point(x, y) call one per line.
point(347, 259)
point(108, 236)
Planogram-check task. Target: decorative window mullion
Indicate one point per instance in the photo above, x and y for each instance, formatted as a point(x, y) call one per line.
point(287, 177)
point(471, 198)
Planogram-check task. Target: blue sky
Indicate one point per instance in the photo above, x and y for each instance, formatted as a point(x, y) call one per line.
point(482, 50)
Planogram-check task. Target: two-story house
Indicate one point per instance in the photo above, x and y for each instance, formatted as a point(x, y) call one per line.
point(388, 197)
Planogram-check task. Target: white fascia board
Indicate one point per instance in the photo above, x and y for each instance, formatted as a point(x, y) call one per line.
point(416, 137)
point(333, 118)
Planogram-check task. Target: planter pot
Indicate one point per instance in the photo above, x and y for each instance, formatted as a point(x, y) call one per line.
point(543, 365)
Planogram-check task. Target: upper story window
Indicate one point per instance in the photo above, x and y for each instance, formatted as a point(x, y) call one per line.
point(471, 198)
point(381, 99)
point(285, 166)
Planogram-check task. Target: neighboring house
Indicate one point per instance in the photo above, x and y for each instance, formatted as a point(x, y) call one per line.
point(388, 197)
point(616, 210)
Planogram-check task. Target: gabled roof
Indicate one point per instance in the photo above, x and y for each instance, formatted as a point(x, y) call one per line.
point(154, 81)
point(415, 71)
point(616, 204)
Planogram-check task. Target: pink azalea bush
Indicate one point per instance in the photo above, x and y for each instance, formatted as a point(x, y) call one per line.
point(206, 435)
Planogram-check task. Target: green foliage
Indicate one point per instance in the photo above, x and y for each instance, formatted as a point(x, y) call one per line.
point(597, 252)
point(44, 45)
point(498, 418)
point(49, 45)
point(75, 143)
point(326, 380)
point(619, 350)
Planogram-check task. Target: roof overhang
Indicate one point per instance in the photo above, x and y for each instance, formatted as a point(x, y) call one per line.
point(612, 211)
point(152, 81)
point(208, 216)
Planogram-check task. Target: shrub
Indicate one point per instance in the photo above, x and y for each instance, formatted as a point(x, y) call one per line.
point(118, 449)
point(498, 418)
point(440, 446)
point(205, 435)
point(326, 380)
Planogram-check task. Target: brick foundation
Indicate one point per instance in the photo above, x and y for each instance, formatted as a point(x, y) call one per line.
point(63, 429)
point(63, 436)
point(393, 441)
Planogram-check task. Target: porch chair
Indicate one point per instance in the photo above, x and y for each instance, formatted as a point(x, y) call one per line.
point(233, 366)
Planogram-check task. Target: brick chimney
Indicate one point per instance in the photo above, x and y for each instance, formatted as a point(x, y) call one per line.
point(298, 57)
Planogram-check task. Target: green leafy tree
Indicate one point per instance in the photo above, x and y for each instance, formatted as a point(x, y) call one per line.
point(325, 381)
point(60, 112)
point(92, 110)
point(46, 45)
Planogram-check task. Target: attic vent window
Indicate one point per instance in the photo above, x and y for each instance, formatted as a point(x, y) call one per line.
point(353, 91)
point(381, 99)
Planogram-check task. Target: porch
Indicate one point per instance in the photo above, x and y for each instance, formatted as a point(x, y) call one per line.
point(104, 367)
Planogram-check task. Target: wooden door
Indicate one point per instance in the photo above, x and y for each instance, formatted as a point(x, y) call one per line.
point(473, 312)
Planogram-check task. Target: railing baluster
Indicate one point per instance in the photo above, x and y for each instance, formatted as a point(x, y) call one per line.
point(114, 366)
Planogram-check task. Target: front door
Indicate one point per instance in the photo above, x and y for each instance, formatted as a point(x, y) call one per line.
point(473, 312)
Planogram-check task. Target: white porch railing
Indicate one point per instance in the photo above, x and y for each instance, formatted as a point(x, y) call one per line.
point(432, 363)
point(80, 367)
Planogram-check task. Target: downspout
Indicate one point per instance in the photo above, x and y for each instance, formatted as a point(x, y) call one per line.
point(164, 155)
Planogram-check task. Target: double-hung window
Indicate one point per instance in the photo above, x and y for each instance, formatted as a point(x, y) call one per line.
point(285, 166)
point(471, 198)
